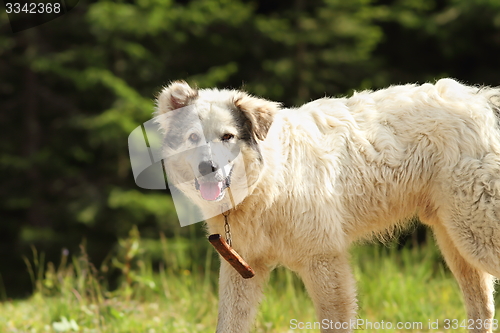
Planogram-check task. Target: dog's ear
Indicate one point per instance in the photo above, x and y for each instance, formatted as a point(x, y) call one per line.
point(258, 111)
point(177, 95)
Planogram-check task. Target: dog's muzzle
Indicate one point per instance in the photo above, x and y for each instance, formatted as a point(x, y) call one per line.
point(211, 188)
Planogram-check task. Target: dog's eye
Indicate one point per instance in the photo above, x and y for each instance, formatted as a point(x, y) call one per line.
point(194, 137)
point(227, 137)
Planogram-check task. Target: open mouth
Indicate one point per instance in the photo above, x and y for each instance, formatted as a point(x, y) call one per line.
point(213, 190)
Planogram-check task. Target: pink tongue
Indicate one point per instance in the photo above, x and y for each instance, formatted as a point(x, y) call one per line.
point(210, 191)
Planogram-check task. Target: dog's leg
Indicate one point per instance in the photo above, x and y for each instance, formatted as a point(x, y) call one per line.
point(239, 297)
point(477, 286)
point(331, 285)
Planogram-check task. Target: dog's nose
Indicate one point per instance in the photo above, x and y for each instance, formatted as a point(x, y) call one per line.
point(207, 167)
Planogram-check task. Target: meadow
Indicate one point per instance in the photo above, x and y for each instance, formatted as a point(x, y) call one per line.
point(171, 286)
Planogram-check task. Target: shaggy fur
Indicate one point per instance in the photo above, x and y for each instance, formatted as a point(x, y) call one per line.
point(335, 171)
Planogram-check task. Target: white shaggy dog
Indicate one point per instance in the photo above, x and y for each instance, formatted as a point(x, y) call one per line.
point(335, 171)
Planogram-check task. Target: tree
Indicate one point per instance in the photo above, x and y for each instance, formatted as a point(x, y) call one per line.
point(73, 89)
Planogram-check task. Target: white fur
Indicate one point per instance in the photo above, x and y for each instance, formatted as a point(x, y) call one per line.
point(339, 170)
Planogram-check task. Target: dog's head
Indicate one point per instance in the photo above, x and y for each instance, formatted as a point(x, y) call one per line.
point(212, 139)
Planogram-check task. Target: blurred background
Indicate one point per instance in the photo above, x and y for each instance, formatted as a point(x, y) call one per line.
point(73, 89)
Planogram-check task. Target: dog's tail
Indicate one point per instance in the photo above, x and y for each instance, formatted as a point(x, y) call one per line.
point(493, 96)
point(495, 104)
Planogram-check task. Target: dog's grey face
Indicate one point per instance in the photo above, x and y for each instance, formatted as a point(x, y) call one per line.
point(209, 137)
point(206, 139)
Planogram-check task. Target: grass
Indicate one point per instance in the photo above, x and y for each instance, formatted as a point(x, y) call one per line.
point(410, 285)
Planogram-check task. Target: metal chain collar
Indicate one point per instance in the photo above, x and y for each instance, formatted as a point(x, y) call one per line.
point(227, 229)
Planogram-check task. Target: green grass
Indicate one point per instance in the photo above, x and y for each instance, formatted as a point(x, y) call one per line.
point(411, 285)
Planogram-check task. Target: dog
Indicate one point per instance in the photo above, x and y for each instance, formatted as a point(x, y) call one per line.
point(338, 170)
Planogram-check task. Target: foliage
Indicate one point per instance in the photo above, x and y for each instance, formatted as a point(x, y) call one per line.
point(72, 89)
point(410, 285)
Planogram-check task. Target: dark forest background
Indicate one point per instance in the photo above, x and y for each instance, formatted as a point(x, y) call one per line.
point(73, 89)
